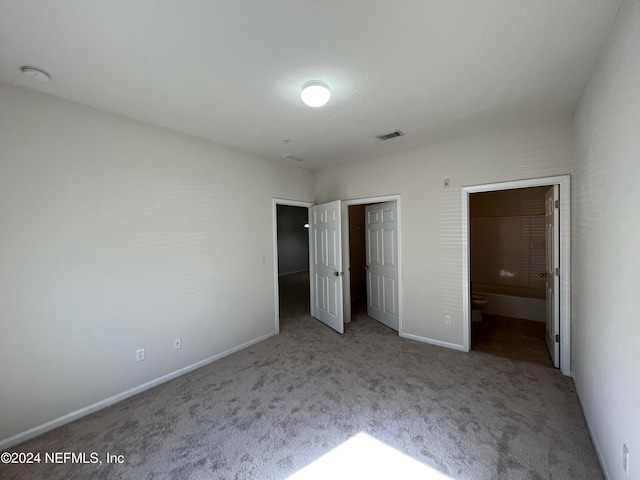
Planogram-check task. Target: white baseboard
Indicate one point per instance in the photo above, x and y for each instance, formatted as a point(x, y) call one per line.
point(594, 441)
point(291, 273)
point(439, 343)
point(70, 417)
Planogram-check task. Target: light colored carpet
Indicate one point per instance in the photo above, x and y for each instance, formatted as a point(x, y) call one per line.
point(271, 410)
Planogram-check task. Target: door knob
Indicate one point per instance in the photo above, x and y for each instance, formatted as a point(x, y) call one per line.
point(366, 267)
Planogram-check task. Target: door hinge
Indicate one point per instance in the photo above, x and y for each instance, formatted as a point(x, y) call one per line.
point(557, 203)
point(558, 271)
point(557, 338)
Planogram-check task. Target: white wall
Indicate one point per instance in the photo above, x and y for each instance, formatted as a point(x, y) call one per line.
point(117, 235)
point(432, 215)
point(606, 248)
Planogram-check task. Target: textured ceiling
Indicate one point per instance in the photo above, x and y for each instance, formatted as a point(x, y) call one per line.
point(231, 71)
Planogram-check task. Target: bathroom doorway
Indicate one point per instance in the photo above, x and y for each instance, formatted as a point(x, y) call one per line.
point(514, 279)
point(507, 270)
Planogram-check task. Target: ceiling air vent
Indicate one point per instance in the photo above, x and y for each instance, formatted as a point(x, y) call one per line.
point(387, 136)
point(293, 157)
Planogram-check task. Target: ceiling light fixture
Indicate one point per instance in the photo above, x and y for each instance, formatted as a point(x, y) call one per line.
point(36, 74)
point(315, 93)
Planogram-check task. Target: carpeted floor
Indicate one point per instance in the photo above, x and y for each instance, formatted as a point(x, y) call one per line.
point(271, 410)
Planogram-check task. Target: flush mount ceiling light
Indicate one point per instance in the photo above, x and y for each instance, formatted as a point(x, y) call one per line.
point(315, 93)
point(35, 73)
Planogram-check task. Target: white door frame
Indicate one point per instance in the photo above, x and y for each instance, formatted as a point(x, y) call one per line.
point(564, 181)
point(346, 259)
point(275, 203)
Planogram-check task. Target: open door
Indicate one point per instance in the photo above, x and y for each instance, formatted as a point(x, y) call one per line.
point(382, 263)
point(325, 248)
point(552, 273)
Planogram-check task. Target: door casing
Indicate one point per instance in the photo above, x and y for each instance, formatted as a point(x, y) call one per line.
point(564, 181)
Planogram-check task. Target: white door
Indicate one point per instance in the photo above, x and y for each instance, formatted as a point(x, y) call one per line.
point(325, 245)
point(552, 248)
point(382, 263)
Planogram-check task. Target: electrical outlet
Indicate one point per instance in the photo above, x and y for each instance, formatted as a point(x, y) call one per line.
point(139, 354)
point(447, 319)
point(625, 459)
point(177, 344)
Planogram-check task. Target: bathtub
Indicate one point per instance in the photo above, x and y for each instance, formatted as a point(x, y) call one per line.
point(515, 302)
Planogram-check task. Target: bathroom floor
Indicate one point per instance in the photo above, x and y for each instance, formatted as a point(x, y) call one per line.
point(512, 338)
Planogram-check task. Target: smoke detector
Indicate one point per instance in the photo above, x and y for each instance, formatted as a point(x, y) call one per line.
point(36, 74)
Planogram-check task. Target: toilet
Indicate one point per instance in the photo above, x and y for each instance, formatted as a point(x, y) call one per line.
point(477, 303)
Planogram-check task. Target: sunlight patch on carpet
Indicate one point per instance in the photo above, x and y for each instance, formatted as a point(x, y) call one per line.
point(365, 457)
